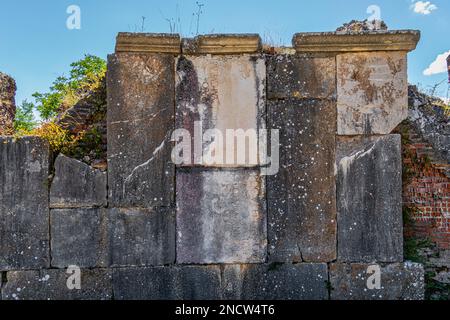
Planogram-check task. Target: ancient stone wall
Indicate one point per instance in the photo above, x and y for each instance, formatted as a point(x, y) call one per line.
point(7, 104)
point(322, 225)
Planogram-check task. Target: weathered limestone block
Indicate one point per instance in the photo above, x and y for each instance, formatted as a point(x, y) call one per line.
point(221, 217)
point(7, 104)
point(302, 197)
point(372, 92)
point(296, 76)
point(78, 237)
point(222, 93)
point(399, 281)
point(77, 185)
point(140, 124)
point(96, 284)
point(167, 283)
point(139, 237)
point(230, 44)
point(275, 282)
point(369, 199)
point(24, 208)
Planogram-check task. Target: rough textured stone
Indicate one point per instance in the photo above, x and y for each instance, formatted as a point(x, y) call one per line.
point(139, 237)
point(294, 76)
point(140, 124)
point(302, 197)
point(275, 282)
point(78, 237)
point(77, 185)
point(429, 119)
point(221, 217)
point(222, 44)
point(395, 40)
point(7, 104)
point(96, 284)
point(400, 281)
point(24, 212)
point(369, 203)
point(167, 283)
point(223, 92)
point(148, 42)
point(372, 92)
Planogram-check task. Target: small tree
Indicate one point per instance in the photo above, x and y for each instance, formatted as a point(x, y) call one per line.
point(84, 77)
point(24, 120)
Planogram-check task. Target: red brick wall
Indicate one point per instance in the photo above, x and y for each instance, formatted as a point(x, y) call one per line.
point(426, 192)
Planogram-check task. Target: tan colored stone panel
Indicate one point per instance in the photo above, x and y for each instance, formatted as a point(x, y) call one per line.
point(223, 92)
point(372, 92)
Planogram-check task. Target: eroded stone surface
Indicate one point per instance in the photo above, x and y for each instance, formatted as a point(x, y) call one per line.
point(399, 281)
point(167, 283)
point(275, 282)
point(7, 104)
point(77, 185)
point(302, 197)
point(24, 207)
point(369, 203)
point(139, 237)
point(221, 92)
point(294, 76)
point(221, 217)
point(140, 124)
point(96, 284)
point(78, 237)
point(372, 91)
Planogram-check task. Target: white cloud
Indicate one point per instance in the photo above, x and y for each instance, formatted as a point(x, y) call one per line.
point(438, 66)
point(423, 7)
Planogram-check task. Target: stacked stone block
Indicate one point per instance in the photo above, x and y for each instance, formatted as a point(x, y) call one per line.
point(212, 227)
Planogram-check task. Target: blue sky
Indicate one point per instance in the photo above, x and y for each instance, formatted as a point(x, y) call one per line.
point(36, 46)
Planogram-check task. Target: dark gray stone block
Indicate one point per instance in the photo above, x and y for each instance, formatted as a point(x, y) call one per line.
point(302, 196)
point(77, 185)
point(141, 107)
point(167, 283)
point(295, 76)
point(221, 217)
point(399, 281)
point(78, 237)
point(139, 237)
point(276, 282)
point(369, 199)
point(24, 208)
point(96, 284)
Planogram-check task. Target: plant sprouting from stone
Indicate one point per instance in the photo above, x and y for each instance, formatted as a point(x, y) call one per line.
point(198, 14)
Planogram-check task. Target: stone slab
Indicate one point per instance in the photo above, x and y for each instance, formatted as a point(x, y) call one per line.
point(96, 284)
point(399, 281)
point(221, 217)
point(369, 199)
point(140, 123)
point(148, 42)
point(302, 197)
point(76, 184)
point(222, 44)
point(372, 92)
point(140, 237)
point(24, 207)
point(392, 40)
point(295, 76)
point(78, 237)
point(167, 283)
point(223, 93)
point(275, 282)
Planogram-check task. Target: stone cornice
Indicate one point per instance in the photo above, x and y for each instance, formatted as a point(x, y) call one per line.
point(148, 43)
point(402, 40)
point(223, 44)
